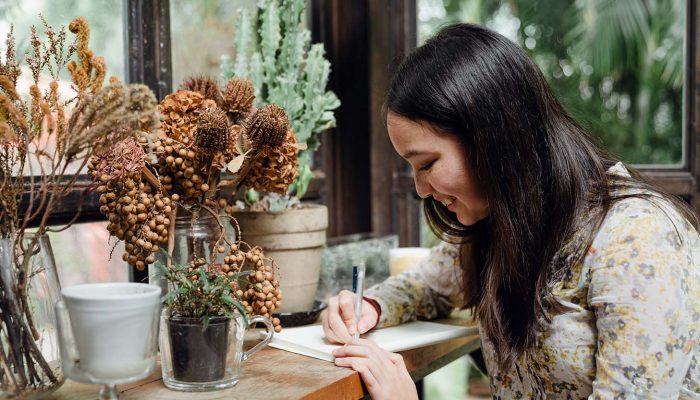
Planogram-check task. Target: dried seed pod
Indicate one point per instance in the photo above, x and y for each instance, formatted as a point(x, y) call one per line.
point(276, 169)
point(125, 157)
point(238, 97)
point(267, 127)
point(205, 85)
point(212, 130)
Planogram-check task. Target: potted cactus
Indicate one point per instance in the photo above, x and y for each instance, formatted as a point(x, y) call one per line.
point(274, 51)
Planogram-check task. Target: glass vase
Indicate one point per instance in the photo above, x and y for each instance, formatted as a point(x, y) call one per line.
point(195, 236)
point(30, 364)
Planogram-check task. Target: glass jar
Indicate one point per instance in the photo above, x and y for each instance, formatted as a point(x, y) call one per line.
point(195, 236)
point(28, 335)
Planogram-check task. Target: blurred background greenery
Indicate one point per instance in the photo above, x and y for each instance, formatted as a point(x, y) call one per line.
point(616, 65)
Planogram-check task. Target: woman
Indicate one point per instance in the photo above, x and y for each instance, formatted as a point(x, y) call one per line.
point(583, 277)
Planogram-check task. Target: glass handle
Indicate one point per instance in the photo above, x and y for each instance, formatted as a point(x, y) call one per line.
point(264, 342)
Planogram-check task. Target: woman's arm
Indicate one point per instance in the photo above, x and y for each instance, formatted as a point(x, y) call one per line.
point(429, 289)
point(643, 279)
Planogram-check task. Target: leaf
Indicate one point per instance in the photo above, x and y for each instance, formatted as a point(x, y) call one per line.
point(235, 165)
point(231, 301)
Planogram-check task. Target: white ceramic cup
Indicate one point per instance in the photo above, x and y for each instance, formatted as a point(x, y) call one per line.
point(402, 258)
point(113, 328)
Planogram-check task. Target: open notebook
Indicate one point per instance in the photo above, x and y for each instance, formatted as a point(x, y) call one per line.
point(310, 340)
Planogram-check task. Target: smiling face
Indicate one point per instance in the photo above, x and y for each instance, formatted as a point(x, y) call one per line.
point(440, 167)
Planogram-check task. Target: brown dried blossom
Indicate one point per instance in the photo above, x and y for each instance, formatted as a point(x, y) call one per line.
point(238, 97)
point(10, 67)
point(276, 168)
point(179, 112)
point(267, 127)
point(8, 87)
point(212, 130)
point(205, 85)
point(125, 157)
point(90, 71)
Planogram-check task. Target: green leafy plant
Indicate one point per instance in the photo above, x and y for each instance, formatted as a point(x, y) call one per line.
point(202, 290)
point(274, 51)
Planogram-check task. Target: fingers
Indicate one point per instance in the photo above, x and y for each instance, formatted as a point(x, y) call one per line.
point(376, 366)
point(369, 317)
point(366, 349)
point(334, 326)
point(346, 303)
point(365, 367)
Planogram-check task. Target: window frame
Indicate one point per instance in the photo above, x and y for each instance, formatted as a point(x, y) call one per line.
point(394, 31)
point(364, 183)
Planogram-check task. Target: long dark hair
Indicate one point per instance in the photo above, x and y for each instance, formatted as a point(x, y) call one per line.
point(539, 169)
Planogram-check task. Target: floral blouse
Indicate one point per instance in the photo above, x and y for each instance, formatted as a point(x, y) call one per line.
point(630, 328)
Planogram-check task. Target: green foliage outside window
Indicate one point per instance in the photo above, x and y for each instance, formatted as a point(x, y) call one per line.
point(616, 65)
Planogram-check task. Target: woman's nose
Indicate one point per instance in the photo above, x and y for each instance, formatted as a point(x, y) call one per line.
point(423, 188)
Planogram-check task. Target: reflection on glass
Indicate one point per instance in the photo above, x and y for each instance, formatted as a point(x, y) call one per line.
point(106, 39)
point(201, 32)
point(619, 69)
point(341, 253)
point(85, 253)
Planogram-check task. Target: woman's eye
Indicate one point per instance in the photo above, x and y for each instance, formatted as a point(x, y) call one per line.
point(426, 166)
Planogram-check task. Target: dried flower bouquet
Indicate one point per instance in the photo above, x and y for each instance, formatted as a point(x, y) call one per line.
point(41, 139)
point(203, 132)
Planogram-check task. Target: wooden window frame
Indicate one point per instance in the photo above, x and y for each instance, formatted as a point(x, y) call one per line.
point(365, 184)
point(393, 34)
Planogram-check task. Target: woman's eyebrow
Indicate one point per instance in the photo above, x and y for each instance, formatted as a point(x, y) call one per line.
point(412, 153)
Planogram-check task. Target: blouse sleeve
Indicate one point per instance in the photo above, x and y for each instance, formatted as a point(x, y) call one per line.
point(642, 281)
point(430, 289)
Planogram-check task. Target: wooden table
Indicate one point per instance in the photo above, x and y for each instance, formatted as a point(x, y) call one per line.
point(276, 374)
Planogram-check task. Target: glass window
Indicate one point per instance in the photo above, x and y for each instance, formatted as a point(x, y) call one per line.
point(201, 32)
point(85, 253)
point(618, 67)
point(106, 39)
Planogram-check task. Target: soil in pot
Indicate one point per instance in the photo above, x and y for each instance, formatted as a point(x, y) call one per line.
point(198, 355)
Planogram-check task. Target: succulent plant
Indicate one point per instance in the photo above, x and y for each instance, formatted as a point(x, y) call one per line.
point(276, 54)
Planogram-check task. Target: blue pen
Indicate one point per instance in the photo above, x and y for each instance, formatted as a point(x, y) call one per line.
point(358, 278)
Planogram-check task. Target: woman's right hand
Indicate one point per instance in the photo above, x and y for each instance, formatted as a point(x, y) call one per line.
point(339, 317)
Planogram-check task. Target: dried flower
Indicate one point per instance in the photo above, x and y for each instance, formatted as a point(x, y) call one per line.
point(212, 130)
point(124, 157)
point(8, 87)
point(205, 85)
point(238, 97)
point(10, 68)
point(267, 127)
point(276, 168)
point(179, 112)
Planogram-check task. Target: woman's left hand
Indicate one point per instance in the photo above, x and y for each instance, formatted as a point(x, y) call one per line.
point(384, 373)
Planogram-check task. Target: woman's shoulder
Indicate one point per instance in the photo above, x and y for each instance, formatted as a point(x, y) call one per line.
point(649, 220)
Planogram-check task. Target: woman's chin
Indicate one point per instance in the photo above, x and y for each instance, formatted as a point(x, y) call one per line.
point(468, 219)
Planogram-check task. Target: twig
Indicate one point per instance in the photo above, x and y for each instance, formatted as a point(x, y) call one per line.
point(171, 236)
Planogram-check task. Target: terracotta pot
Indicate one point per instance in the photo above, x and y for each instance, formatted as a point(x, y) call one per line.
point(293, 238)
